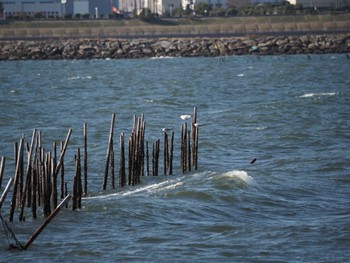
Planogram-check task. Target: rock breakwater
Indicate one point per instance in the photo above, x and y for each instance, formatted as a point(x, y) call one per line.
point(184, 47)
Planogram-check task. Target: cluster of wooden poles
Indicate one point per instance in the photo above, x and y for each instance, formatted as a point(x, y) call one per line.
point(37, 185)
point(139, 157)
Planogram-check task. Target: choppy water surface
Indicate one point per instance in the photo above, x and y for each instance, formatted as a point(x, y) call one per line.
point(291, 113)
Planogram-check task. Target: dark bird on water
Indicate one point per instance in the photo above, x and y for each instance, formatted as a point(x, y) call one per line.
point(253, 161)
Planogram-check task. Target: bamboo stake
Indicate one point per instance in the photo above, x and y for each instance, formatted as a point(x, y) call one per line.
point(21, 173)
point(28, 176)
point(2, 168)
point(60, 160)
point(14, 194)
point(165, 154)
point(4, 194)
point(62, 175)
point(157, 155)
point(189, 151)
point(46, 222)
point(34, 187)
point(143, 127)
point(112, 170)
point(194, 128)
point(122, 179)
point(47, 185)
point(54, 185)
point(66, 192)
point(85, 161)
point(130, 161)
point(171, 154)
point(77, 185)
point(147, 159)
point(153, 159)
point(40, 178)
point(196, 149)
point(54, 177)
point(108, 152)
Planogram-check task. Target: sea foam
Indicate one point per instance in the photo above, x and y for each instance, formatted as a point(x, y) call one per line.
point(308, 95)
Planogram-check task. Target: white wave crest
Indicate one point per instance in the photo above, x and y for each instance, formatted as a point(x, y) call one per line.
point(79, 77)
point(239, 175)
point(150, 188)
point(162, 57)
point(308, 95)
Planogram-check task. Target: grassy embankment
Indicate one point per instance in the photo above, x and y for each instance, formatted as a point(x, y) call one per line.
point(166, 27)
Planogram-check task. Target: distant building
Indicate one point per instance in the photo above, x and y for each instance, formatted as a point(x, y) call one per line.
point(154, 6)
point(101, 8)
point(212, 3)
point(58, 8)
point(319, 3)
point(48, 8)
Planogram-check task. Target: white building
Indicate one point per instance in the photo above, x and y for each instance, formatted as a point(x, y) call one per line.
point(48, 8)
point(318, 3)
point(58, 8)
point(212, 3)
point(155, 6)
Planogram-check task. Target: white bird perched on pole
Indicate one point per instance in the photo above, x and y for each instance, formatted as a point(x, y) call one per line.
point(167, 129)
point(185, 116)
point(198, 124)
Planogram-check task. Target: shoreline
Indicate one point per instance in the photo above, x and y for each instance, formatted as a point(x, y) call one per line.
point(170, 47)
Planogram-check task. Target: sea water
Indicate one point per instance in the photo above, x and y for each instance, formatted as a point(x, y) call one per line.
point(291, 113)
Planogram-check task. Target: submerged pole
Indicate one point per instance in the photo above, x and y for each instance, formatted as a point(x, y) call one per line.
point(46, 222)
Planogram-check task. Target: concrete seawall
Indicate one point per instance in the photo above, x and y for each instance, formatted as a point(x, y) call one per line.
point(185, 47)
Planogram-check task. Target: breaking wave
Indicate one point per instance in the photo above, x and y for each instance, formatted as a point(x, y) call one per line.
point(308, 95)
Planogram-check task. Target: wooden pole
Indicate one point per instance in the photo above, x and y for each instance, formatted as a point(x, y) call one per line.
point(147, 160)
point(4, 194)
point(34, 187)
point(54, 177)
point(15, 184)
point(122, 179)
point(2, 168)
point(47, 188)
point(60, 160)
point(112, 169)
point(129, 160)
point(171, 154)
point(194, 128)
point(28, 176)
point(189, 151)
point(196, 149)
point(85, 161)
point(104, 186)
point(165, 154)
point(77, 185)
point(143, 127)
point(46, 222)
point(62, 175)
point(157, 155)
